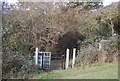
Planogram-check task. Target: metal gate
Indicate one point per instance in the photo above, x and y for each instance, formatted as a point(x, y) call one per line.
point(50, 60)
point(57, 61)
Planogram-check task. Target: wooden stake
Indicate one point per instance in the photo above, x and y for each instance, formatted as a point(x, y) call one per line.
point(73, 61)
point(67, 59)
point(36, 56)
point(100, 46)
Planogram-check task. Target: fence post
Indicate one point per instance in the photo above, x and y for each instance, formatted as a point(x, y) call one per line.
point(100, 46)
point(36, 56)
point(67, 59)
point(73, 61)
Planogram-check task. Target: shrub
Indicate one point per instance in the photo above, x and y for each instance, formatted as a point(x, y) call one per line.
point(19, 67)
point(91, 54)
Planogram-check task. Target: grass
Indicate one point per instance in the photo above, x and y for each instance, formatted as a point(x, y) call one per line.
point(106, 71)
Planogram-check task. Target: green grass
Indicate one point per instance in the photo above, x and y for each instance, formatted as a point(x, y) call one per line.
point(106, 71)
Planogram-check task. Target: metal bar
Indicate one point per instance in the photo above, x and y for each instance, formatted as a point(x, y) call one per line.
point(56, 61)
point(56, 57)
point(44, 52)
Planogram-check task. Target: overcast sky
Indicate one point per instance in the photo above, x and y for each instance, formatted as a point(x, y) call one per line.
point(105, 2)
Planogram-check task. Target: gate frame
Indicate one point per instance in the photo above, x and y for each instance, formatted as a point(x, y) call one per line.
point(42, 56)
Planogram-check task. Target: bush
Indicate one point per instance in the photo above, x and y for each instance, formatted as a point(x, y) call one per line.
point(91, 54)
point(19, 67)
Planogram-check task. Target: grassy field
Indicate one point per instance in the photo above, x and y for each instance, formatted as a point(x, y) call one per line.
point(106, 71)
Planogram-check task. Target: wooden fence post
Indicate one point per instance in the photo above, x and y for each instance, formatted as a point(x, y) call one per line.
point(73, 61)
point(67, 59)
point(36, 56)
point(100, 46)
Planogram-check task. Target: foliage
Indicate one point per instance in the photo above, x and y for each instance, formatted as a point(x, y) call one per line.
point(51, 28)
point(18, 67)
point(81, 6)
point(91, 53)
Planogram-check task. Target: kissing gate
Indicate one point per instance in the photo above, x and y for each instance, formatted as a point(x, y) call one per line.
point(50, 60)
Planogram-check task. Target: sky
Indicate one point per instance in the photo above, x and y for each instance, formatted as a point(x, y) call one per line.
point(105, 2)
point(108, 2)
